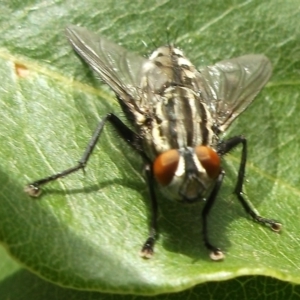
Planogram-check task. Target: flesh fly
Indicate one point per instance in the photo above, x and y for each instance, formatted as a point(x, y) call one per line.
point(177, 114)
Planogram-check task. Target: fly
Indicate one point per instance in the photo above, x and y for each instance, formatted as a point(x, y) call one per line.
point(177, 114)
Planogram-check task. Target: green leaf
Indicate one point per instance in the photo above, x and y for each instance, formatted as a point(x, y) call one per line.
point(85, 231)
point(18, 282)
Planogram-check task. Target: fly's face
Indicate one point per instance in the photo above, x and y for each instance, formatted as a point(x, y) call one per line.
point(177, 113)
point(187, 174)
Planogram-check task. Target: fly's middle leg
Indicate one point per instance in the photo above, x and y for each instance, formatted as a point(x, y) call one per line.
point(33, 189)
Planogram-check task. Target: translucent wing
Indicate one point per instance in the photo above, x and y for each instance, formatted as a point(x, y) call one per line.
point(229, 86)
point(117, 67)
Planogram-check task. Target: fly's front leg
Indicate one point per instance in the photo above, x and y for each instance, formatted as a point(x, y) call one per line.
point(148, 247)
point(225, 147)
point(215, 253)
point(33, 189)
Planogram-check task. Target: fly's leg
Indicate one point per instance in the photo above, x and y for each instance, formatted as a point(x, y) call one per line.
point(225, 147)
point(33, 189)
point(148, 247)
point(215, 253)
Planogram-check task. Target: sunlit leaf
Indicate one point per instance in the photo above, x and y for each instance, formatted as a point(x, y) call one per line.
point(85, 231)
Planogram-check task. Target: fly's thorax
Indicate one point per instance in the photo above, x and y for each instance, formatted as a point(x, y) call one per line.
point(174, 114)
point(178, 119)
point(187, 174)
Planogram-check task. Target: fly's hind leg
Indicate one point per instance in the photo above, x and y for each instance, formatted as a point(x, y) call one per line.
point(225, 147)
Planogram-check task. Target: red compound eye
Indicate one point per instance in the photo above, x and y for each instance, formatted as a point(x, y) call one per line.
point(165, 165)
point(209, 159)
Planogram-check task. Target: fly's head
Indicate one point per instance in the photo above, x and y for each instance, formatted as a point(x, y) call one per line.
point(187, 174)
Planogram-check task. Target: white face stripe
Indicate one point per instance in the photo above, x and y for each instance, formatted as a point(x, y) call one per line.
point(181, 167)
point(198, 164)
